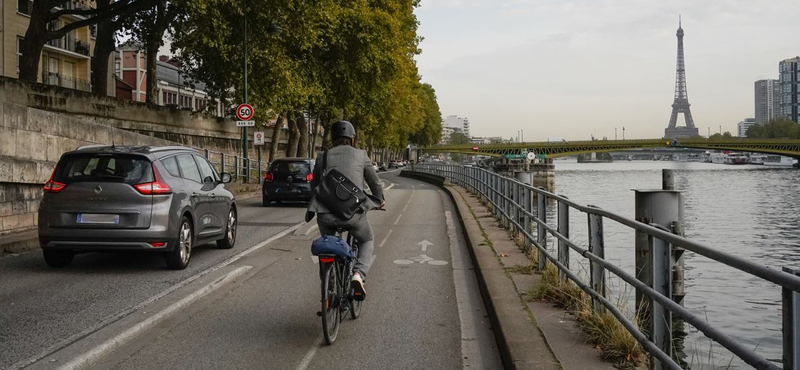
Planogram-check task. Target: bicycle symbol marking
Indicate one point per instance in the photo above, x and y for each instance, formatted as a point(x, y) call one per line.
point(421, 259)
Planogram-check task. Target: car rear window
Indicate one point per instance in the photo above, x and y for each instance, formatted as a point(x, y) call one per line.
point(98, 167)
point(283, 167)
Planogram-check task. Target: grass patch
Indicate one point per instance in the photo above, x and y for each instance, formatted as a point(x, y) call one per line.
point(519, 269)
point(602, 330)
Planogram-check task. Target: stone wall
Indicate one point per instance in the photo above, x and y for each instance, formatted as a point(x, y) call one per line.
point(38, 123)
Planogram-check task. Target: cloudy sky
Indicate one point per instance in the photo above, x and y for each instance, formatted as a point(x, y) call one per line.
point(573, 69)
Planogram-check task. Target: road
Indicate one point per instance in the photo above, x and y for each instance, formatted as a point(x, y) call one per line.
point(423, 308)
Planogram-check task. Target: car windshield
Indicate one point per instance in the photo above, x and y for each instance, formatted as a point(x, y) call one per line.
point(291, 168)
point(104, 168)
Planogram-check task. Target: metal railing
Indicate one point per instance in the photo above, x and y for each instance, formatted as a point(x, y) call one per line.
point(57, 79)
point(512, 202)
point(239, 168)
point(71, 44)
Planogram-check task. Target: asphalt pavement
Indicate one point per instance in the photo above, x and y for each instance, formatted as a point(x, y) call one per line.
point(423, 308)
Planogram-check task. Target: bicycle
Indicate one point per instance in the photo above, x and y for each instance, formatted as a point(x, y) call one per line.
point(337, 293)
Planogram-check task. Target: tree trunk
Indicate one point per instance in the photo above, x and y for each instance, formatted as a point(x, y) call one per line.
point(313, 153)
point(154, 41)
point(371, 149)
point(103, 47)
point(276, 139)
point(35, 38)
point(302, 125)
point(291, 148)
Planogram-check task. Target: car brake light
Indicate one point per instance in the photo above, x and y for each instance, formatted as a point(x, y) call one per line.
point(310, 176)
point(268, 177)
point(157, 244)
point(53, 186)
point(155, 187)
point(326, 259)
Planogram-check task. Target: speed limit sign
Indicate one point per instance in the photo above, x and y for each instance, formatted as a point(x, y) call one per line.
point(244, 112)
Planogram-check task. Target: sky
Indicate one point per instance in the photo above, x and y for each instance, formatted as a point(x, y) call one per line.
point(573, 69)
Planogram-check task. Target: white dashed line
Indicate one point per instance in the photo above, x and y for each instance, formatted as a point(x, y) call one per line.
point(385, 238)
point(308, 357)
point(398, 219)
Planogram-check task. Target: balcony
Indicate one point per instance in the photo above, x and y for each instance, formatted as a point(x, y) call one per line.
point(73, 5)
point(56, 79)
point(72, 45)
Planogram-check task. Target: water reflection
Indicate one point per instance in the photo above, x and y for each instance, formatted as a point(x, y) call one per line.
point(750, 211)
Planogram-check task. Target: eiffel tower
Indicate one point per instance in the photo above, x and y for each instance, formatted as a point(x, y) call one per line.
point(681, 103)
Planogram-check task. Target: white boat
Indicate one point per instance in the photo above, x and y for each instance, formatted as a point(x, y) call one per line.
point(757, 158)
point(717, 157)
point(736, 158)
point(779, 160)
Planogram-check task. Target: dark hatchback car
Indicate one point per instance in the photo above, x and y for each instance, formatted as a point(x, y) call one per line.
point(155, 199)
point(288, 179)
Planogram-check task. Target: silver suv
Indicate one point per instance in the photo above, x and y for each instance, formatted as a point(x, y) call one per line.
point(156, 199)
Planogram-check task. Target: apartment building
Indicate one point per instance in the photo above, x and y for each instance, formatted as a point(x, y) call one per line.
point(64, 62)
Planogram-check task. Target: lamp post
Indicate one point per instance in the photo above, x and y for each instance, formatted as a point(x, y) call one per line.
point(244, 128)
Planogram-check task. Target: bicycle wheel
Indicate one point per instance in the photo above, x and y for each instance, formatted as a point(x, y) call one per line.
point(355, 306)
point(331, 314)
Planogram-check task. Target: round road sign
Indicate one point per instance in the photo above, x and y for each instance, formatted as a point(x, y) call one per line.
point(531, 156)
point(245, 112)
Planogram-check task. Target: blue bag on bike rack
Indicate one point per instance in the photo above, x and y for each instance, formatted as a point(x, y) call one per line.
point(331, 245)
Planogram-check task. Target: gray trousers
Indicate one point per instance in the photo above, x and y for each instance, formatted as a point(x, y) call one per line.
point(360, 229)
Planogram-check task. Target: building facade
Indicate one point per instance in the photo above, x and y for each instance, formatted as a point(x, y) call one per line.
point(446, 133)
point(64, 62)
point(767, 100)
point(173, 88)
point(456, 122)
point(743, 126)
point(789, 72)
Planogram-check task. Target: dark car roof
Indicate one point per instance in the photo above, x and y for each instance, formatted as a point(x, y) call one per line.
point(152, 152)
point(292, 159)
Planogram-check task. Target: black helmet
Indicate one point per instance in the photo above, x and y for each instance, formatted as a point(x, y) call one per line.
point(342, 129)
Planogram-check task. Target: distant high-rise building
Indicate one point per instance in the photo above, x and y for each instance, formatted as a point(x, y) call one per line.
point(446, 133)
point(789, 70)
point(744, 125)
point(767, 100)
point(457, 122)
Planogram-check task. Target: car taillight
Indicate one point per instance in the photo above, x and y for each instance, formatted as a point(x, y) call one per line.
point(53, 186)
point(268, 177)
point(157, 244)
point(155, 187)
point(309, 176)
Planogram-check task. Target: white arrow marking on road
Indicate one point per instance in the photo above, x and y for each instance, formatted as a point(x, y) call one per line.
point(424, 244)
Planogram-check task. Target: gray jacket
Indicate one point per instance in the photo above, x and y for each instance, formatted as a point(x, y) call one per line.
point(351, 162)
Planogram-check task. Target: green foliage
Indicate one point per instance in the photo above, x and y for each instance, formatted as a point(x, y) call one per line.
point(333, 60)
point(779, 128)
point(459, 138)
point(725, 135)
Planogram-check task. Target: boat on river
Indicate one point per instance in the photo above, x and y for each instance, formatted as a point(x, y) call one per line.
point(779, 161)
point(757, 158)
point(736, 158)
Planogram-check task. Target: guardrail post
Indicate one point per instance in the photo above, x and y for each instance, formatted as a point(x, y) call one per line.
point(222, 162)
point(653, 207)
point(495, 196)
point(260, 178)
point(206, 152)
point(541, 213)
point(236, 166)
point(563, 229)
point(528, 205)
point(597, 272)
point(504, 199)
point(791, 326)
point(661, 329)
point(515, 205)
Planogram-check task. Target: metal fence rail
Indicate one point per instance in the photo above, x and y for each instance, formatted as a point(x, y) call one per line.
point(238, 167)
point(513, 204)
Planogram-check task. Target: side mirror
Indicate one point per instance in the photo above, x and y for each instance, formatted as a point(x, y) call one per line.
point(226, 177)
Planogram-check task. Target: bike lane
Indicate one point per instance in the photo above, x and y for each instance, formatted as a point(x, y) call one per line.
point(268, 320)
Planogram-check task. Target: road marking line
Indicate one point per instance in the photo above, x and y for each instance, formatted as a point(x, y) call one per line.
point(315, 259)
point(308, 357)
point(91, 357)
point(113, 318)
point(398, 219)
point(385, 238)
point(389, 187)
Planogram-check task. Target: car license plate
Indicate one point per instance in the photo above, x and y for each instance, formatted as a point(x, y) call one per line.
point(98, 218)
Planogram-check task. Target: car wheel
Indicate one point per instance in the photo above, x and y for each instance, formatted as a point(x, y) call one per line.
point(58, 258)
point(178, 257)
point(230, 231)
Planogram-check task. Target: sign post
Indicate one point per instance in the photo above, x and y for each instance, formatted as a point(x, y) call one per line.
point(245, 112)
point(258, 141)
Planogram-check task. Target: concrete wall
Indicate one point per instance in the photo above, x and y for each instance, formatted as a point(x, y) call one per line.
point(38, 123)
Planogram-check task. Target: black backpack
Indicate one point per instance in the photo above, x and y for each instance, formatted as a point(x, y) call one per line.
point(338, 194)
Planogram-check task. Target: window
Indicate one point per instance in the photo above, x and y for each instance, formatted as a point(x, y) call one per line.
point(172, 166)
point(93, 31)
point(205, 169)
point(25, 6)
point(104, 168)
point(20, 47)
point(189, 167)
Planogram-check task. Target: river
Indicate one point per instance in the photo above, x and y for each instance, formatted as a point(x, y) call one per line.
point(750, 211)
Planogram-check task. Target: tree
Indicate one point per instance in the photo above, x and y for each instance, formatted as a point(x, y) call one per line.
point(42, 28)
point(458, 138)
point(778, 128)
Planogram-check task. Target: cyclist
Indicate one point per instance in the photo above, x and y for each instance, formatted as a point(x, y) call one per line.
point(356, 166)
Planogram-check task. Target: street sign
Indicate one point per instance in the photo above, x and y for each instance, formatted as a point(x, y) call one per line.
point(475, 148)
point(245, 123)
point(258, 138)
point(245, 112)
